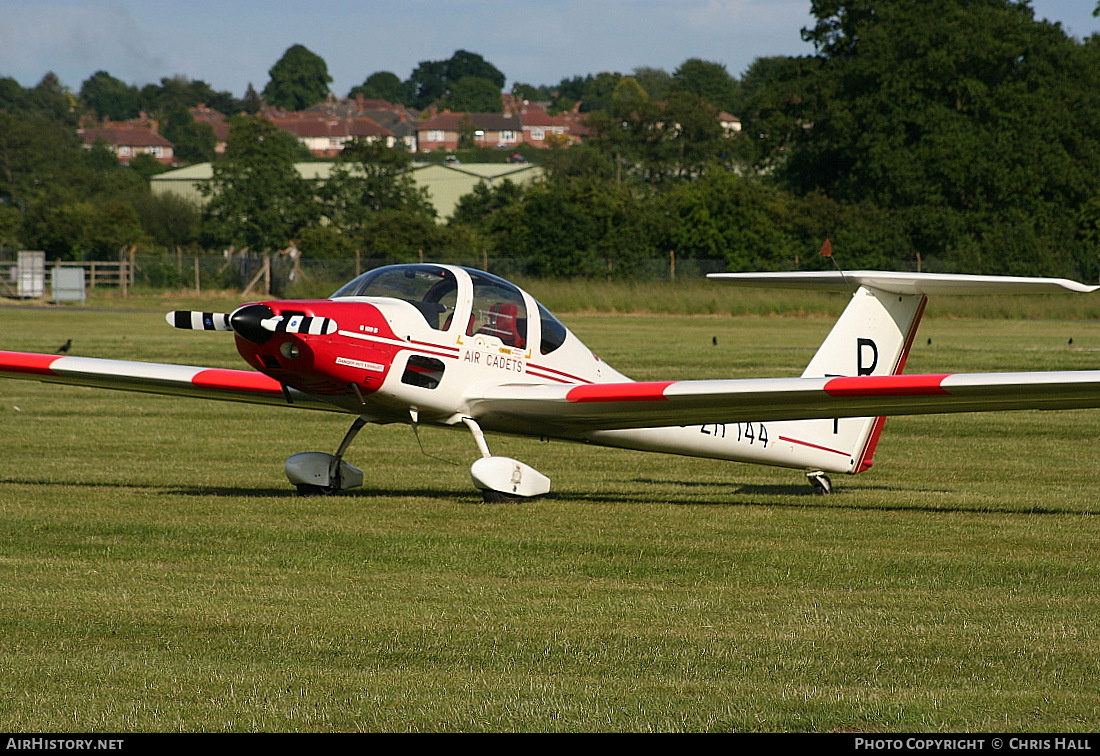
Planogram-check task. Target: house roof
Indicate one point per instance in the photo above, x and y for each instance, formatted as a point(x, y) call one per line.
point(124, 136)
point(448, 121)
point(321, 126)
point(216, 120)
point(445, 184)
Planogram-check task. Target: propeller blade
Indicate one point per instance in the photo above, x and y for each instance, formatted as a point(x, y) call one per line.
point(255, 322)
point(299, 324)
point(193, 320)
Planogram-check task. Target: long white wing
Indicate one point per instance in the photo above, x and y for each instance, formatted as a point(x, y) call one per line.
point(573, 409)
point(177, 380)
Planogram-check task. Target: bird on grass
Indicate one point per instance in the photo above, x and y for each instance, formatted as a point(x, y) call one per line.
point(64, 348)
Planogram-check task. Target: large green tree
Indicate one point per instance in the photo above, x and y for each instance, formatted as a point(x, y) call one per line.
point(299, 79)
point(35, 159)
point(708, 81)
point(431, 81)
point(969, 119)
point(370, 178)
point(774, 91)
point(381, 85)
point(49, 98)
point(109, 97)
point(471, 94)
point(178, 93)
point(62, 198)
point(657, 142)
point(257, 198)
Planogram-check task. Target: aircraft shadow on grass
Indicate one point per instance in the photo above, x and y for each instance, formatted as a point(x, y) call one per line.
point(731, 495)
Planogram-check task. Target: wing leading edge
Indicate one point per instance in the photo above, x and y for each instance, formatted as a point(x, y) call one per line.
point(575, 410)
point(156, 378)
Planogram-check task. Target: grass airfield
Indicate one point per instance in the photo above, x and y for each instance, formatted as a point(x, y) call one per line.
point(158, 573)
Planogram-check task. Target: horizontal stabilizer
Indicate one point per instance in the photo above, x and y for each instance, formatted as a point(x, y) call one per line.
point(905, 283)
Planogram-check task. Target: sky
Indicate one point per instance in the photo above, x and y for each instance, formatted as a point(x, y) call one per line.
point(230, 45)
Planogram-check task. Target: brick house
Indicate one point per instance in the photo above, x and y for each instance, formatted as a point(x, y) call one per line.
point(444, 131)
point(397, 119)
point(325, 135)
point(216, 121)
point(128, 141)
point(540, 129)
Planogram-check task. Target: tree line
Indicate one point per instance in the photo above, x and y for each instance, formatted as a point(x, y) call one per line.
point(949, 135)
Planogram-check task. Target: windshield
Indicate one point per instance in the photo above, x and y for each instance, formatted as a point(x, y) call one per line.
point(429, 288)
point(499, 308)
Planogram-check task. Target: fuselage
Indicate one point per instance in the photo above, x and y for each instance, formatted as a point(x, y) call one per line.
point(413, 343)
point(420, 336)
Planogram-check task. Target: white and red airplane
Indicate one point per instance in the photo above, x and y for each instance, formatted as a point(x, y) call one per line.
point(455, 347)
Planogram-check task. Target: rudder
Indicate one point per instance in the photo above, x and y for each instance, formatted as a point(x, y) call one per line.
point(873, 336)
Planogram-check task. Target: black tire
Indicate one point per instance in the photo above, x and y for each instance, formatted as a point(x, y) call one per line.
point(304, 489)
point(822, 485)
point(497, 497)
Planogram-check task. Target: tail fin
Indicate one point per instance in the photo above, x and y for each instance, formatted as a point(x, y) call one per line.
point(872, 337)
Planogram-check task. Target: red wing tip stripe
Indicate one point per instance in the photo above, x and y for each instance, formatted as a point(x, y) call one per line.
point(214, 378)
point(236, 380)
point(31, 364)
point(620, 392)
point(888, 385)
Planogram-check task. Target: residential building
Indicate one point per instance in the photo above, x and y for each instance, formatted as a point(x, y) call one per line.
point(540, 129)
point(216, 121)
point(447, 130)
point(128, 140)
point(730, 123)
point(325, 135)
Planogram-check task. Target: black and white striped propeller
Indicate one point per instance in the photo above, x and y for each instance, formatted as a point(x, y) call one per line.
point(255, 322)
point(193, 320)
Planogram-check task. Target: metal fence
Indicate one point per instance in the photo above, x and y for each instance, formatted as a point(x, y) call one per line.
point(119, 275)
point(279, 274)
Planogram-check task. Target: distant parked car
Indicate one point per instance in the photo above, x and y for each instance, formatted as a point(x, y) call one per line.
point(517, 158)
point(450, 160)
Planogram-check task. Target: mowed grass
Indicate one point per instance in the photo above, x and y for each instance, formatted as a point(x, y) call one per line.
point(157, 573)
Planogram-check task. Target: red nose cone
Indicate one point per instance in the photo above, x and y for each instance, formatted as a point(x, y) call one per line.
point(350, 362)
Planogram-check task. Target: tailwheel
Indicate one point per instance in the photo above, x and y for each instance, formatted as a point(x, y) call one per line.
point(820, 483)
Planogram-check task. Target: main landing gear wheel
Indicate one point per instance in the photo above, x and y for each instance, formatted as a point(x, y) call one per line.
point(821, 484)
point(320, 474)
point(499, 497)
point(305, 490)
point(503, 480)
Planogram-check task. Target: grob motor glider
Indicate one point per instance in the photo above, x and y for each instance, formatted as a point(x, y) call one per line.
point(455, 347)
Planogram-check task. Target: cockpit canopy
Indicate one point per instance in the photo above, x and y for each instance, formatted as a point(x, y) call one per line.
point(499, 307)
